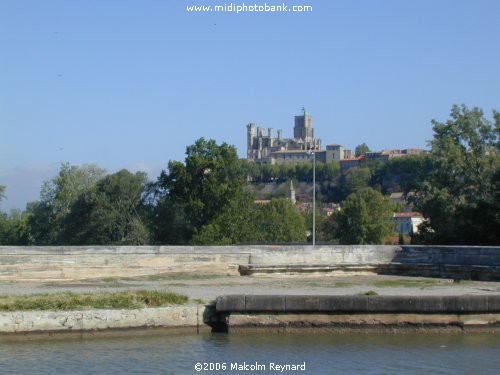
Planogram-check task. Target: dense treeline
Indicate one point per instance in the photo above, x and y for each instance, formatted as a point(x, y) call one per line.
point(399, 174)
point(460, 195)
point(266, 173)
point(208, 198)
point(204, 200)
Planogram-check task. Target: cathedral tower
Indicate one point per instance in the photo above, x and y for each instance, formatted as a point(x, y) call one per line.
point(303, 128)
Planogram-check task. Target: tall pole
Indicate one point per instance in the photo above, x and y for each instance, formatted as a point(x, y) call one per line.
point(314, 198)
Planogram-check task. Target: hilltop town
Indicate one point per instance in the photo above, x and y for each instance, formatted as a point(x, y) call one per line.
point(262, 148)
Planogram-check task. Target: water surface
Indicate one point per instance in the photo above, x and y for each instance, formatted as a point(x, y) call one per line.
point(322, 354)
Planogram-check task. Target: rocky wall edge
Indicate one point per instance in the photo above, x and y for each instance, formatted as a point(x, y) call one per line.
point(195, 317)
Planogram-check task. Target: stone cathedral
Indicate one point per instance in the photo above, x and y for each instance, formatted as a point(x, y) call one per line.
point(266, 148)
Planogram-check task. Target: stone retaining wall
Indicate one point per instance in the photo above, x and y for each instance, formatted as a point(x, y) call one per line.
point(463, 304)
point(455, 255)
point(270, 313)
point(191, 317)
point(53, 263)
point(74, 263)
point(285, 313)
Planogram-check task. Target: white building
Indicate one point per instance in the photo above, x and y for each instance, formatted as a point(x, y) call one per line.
point(407, 222)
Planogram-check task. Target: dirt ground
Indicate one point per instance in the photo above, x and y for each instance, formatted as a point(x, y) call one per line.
point(206, 288)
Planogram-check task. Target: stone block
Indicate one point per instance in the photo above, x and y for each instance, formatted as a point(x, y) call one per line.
point(398, 304)
point(231, 303)
point(301, 303)
point(493, 303)
point(265, 303)
point(343, 303)
point(430, 305)
point(465, 304)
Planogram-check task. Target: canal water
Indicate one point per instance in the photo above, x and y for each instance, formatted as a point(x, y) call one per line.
point(236, 354)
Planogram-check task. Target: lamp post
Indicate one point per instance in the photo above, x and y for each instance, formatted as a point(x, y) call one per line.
point(311, 153)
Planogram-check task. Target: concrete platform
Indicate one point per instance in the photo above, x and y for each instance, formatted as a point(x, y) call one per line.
point(465, 304)
point(283, 312)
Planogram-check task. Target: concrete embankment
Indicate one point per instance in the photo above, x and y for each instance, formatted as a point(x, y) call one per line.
point(279, 313)
point(289, 313)
point(193, 319)
point(55, 263)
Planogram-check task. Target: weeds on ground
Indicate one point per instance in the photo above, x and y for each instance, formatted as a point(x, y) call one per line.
point(108, 300)
point(369, 293)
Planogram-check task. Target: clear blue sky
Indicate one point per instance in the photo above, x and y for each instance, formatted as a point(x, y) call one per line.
point(129, 84)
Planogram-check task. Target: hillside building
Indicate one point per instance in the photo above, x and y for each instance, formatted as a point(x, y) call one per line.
point(265, 147)
point(407, 223)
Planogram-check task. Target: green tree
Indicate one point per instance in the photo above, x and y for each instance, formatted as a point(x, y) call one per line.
point(240, 222)
point(304, 171)
point(167, 222)
point(111, 212)
point(14, 228)
point(202, 186)
point(321, 218)
point(355, 179)
point(278, 222)
point(234, 225)
point(460, 196)
point(403, 174)
point(361, 149)
point(269, 172)
point(252, 170)
point(327, 171)
point(46, 216)
point(328, 230)
point(285, 172)
point(364, 219)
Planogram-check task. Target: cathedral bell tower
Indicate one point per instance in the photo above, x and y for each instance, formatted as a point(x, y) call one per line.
point(303, 128)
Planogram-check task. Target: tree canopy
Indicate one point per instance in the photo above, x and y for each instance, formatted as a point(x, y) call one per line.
point(14, 228)
point(361, 149)
point(403, 174)
point(364, 219)
point(46, 216)
point(211, 177)
point(241, 222)
point(460, 195)
point(112, 212)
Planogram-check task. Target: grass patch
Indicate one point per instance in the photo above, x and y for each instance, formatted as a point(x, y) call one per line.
point(369, 293)
point(109, 300)
point(109, 279)
point(462, 282)
point(407, 283)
